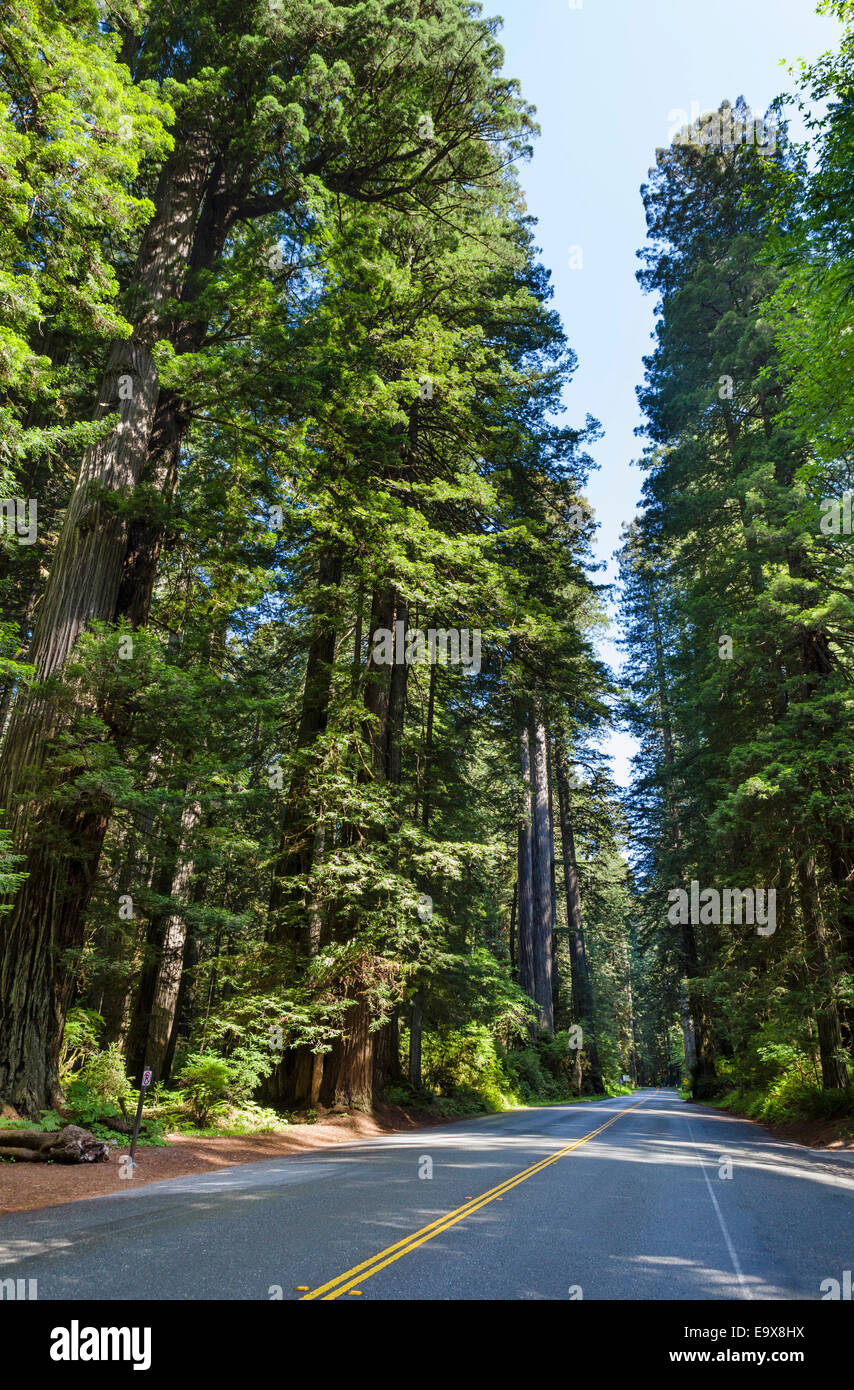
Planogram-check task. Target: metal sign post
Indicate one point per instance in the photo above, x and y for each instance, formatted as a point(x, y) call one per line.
point(146, 1082)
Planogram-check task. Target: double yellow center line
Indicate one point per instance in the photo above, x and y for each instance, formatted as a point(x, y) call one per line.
point(359, 1273)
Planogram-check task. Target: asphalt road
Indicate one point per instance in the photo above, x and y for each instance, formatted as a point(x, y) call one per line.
point(617, 1199)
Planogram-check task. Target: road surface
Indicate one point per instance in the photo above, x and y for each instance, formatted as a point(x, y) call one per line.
point(641, 1197)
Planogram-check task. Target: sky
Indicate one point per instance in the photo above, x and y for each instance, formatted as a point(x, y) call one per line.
point(606, 77)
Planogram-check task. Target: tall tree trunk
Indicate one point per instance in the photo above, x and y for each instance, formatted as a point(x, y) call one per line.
point(116, 941)
point(294, 920)
point(525, 870)
point(688, 1035)
point(552, 883)
point(166, 938)
point(582, 994)
point(386, 1046)
point(185, 1006)
point(45, 924)
point(696, 1024)
point(298, 840)
point(542, 862)
point(350, 1075)
point(416, 1017)
point(633, 1068)
point(378, 680)
point(818, 665)
point(834, 1071)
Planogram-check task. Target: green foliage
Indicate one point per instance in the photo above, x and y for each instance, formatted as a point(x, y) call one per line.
point(465, 1063)
point(10, 879)
point(87, 1107)
point(74, 130)
point(738, 613)
point(208, 1082)
point(468, 1071)
point(528, 1077)
point(99, 1090)
point(791, 1098)
point(83, 1028)
point(543, 1071)
point(103, 1078)
point(224, 1118)
point(359, 339)
point(51, 1121)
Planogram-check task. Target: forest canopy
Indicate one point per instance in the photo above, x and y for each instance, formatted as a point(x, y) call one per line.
point(302, 707)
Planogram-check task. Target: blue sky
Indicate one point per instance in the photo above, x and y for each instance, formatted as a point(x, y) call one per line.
point(605, 79)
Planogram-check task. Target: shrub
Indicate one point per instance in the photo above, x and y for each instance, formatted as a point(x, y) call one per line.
point(79, 1041)
point(526, 1074)
point(248, 1118)
point(791, 1096)
point(466, 1062)
point(104, 1079)
point(465, 1101)
point(208, 1081)
point(406, 1095)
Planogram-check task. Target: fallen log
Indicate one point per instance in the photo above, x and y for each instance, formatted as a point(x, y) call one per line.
point(69, 1145)
point(29, 1138)
point(119, 1126)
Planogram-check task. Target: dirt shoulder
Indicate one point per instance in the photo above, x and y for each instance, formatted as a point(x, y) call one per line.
point(815, 1134)
point(27, 1186)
